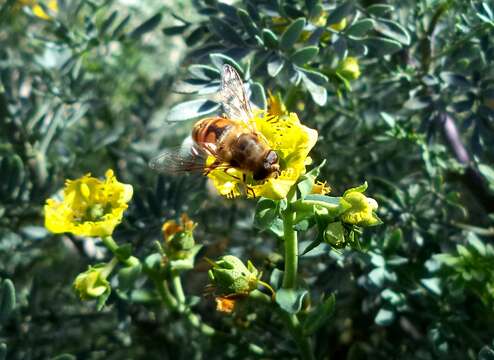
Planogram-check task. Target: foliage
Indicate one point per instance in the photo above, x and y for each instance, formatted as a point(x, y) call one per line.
point(401, 94)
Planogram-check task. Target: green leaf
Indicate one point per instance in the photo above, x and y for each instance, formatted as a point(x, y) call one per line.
point(175, 30)
point(381, 46)
point(304, 55)
point(433, 285)
point(454, 79)
point(258, 96)
point(204, 72)
point(108, 22)
point(384, 317)
point(247, 22)
point(292, 33)
point(267, 216)
point(486, 353)
point(319, 316)
point(340, 12)
point(306, 182)
point(7, 299)
point(219, 60)
point(225, 31)
point(270, 39)
point(360, 188)
point(3, 351)
point(393, 30)
point(313, 82)
point(275, 65)
point(360, 28)
point(488, 172)
point(380, 9)
point(290, 300)
point(120, 27)
point(192, 109)
point(146, 26)
point(64, 357)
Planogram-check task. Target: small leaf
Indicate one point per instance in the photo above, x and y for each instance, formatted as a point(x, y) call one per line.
point(290, 300)
point(258, 96)
point(382, 46)
point(313, 81)
point(64, 357)
point(219, 60)
point(360, 28)
point(7, 299)
point(319, 316)
point(393, 30)
point(3, 351)
point(340, 12)
point(204, 72)
point(247, 22)
point(192, 109)
point(225, 31)
point(270, 39)
point(304, 55)
point(486, 353)
point(275, 65)
point(175, 30)
point(454, 79)
point(380, 9)
point(291, 34)
point(108, 22)
point(384, 317)
point(120, 27)
point(146, 26)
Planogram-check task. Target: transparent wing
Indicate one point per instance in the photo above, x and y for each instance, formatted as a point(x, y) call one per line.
point(234, 99)
point(186, 158)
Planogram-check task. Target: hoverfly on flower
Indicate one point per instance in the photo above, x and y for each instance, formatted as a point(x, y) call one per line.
point(231, 139)
point(243, 149)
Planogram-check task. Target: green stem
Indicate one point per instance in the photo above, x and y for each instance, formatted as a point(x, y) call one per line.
point(290, 275)
point(111, 245)
point(182, 308)
point(291, 244)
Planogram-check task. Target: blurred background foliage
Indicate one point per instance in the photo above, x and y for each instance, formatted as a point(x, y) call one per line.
point(91, 85)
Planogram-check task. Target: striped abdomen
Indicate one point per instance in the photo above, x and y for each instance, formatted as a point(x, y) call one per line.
point(211, 130)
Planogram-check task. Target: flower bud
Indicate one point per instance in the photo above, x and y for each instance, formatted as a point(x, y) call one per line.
point(179, 238)
point(92, 283)
point(230, 276)
point(349, 68)
point(361, 211)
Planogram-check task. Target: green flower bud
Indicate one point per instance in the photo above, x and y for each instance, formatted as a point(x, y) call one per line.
point(334, 235)
point(230, 276)
point(92, 283)
point(179, 238)
point(362, 209)
point(349, 68)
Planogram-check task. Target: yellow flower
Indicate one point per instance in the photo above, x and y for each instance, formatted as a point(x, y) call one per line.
point(171, 227)
point(38, 10)
point(349, 68)
point(292, 142)
point(91, 207)
point(362, 210)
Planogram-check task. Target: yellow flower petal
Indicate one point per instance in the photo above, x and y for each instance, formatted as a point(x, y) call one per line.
point(91, 207)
